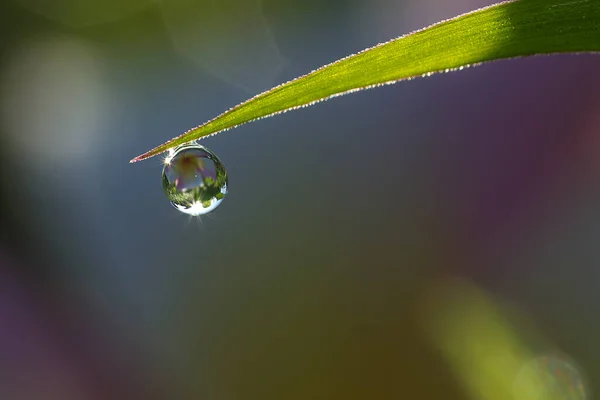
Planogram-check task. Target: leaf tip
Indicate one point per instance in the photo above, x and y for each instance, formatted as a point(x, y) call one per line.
point(138, 158)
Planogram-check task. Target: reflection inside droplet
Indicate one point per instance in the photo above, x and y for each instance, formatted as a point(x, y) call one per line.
point(549, 377)
point(194, 179)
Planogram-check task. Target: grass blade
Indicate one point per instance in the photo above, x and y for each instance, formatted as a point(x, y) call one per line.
point(505, 30)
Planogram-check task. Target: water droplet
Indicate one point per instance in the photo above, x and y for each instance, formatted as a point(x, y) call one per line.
point(194, 179)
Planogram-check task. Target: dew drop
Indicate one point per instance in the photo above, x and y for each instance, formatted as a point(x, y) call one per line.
point(194, 179)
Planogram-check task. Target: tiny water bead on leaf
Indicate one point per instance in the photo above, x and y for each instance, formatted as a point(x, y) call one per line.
point(194, 179)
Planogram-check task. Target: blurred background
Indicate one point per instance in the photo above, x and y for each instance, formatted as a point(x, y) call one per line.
point(435, 239)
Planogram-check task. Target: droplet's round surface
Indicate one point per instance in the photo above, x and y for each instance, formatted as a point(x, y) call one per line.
point(194, 179)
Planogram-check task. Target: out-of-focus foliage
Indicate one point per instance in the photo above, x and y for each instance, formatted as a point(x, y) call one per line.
point(492, 356)
point(76, 14)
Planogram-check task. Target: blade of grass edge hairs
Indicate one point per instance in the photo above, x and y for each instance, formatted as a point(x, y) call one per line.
point(505, 30)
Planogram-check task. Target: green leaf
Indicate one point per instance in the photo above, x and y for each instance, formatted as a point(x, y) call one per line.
point(505, 30)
